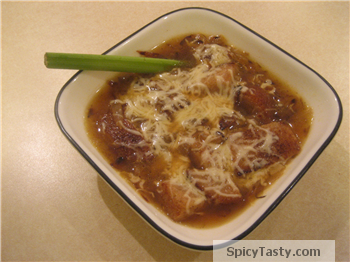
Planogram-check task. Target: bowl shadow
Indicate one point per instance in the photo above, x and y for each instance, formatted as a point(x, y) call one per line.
point(157, 245)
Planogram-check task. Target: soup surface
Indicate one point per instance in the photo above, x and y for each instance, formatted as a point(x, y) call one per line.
point(201, 143)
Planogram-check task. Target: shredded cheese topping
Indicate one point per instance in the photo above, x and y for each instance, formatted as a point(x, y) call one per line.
point(170, 108)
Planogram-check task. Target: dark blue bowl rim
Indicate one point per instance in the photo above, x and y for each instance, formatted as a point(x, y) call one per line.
point(136, 208)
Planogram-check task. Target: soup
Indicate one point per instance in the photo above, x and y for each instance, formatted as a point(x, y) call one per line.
point(201, 142)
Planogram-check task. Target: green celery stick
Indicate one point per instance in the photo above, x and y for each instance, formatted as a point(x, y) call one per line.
point(110, 63)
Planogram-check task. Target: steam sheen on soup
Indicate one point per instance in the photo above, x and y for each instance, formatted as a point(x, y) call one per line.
point(201, 143)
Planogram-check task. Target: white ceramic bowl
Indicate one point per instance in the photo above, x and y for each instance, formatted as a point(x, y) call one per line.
point(319, 94)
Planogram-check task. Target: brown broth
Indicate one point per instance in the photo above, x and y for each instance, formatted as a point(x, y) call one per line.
point(151, 170)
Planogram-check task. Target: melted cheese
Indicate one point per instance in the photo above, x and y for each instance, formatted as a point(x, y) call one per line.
point(245, 150)
point(192, 194)
point(214, 54)
point(177, 99)
point(219, 180)
point(170, 107)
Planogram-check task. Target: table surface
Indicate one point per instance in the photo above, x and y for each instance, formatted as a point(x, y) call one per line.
point(55, 206)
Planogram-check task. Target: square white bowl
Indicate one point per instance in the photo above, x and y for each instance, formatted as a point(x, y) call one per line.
point(73, 98)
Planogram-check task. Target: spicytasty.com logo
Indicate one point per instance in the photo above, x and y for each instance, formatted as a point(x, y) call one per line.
point(274, 250)
point(268, 252)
